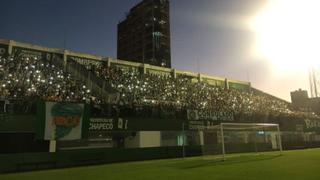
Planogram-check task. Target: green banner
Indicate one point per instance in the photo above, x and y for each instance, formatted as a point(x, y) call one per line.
point(134, 124)
point(312, 125)
point(201, 120)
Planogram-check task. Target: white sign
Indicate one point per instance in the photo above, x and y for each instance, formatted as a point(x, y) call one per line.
point(63, 121)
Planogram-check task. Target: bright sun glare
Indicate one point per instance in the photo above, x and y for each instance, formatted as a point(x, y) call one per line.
point(288, 33)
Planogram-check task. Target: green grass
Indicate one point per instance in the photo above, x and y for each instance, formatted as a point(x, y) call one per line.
point(292, 165)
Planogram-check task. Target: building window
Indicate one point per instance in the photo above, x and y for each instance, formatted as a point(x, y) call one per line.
point(156, 37)
point(162, 22)
point(157, 34)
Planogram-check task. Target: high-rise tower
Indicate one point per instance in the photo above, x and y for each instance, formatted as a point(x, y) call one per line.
point(144, 35)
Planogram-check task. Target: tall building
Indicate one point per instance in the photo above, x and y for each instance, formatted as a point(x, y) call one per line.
point(299, 98)
point(144, 35)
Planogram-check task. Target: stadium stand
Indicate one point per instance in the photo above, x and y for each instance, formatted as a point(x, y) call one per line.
point(32, 78)
point(29, 78)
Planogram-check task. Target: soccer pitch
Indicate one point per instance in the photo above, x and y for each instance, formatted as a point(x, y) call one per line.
point(292, 165)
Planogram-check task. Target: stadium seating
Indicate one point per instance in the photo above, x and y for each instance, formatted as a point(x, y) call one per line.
point(30, 78)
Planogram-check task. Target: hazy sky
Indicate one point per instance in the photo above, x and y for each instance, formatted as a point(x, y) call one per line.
point(210, 36)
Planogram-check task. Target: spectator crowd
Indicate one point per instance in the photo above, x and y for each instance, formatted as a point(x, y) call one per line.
point(32, 78)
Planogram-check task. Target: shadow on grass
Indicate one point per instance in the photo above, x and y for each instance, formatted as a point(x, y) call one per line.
point(214, 161)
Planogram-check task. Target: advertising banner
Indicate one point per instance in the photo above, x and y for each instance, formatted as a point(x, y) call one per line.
point(108, 124)
point(133, 124)
point(312, 125)
point(31, 53)
point(62, 121)
point(201, 120)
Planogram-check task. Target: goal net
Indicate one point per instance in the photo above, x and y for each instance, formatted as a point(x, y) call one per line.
point(228, 138)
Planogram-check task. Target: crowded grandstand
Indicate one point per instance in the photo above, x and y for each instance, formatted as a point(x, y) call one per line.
point(30, 78)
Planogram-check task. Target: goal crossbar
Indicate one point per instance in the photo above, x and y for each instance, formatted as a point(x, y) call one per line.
point(238, 126)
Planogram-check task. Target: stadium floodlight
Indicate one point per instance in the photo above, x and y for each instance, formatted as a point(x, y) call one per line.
point(228, 134)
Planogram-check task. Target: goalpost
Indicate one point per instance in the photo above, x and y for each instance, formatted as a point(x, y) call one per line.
point(245, 137)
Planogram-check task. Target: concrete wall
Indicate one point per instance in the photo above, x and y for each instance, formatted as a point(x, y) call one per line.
point(144, 139)
point(150, 139)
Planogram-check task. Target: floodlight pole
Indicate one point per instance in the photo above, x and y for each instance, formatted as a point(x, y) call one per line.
point(279, 138)
point(222, 142)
